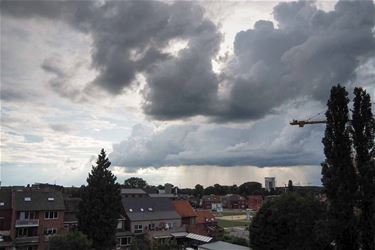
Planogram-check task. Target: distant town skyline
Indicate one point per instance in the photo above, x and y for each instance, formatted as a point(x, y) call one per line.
point(179, 92)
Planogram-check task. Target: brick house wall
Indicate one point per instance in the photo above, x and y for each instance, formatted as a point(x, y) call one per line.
point(45, 223)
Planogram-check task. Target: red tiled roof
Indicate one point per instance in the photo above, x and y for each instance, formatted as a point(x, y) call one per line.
point(204, 216)
point(183, 208)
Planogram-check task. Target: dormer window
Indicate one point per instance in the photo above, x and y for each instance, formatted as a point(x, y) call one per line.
point(51, 199)
point(27, 199)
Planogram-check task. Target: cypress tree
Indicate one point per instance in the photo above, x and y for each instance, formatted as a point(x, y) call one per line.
point(339, 175)
point(101, 205)
point(363, 127)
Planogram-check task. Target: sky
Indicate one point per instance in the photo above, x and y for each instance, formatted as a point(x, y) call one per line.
point(175, 91)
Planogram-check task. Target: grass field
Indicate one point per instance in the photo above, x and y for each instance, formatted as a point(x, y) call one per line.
point(224, 219)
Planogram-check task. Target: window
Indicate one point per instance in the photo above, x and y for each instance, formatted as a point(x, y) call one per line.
point(27, 199)
point(130, 210)
point(119, 224)
point(25, 215)
point(2, 204)
point(22, 232)
point(51, 199)
point(50, 215)
point(150, 209)
point(50, 231)
point(138, 229)
point(151, 226)
point(142, 210)
point(26, 232)
point(125, 241)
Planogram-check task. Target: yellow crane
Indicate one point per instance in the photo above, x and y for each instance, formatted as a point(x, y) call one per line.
point(302, 123)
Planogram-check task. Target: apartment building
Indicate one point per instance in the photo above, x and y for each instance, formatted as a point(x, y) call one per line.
point(234, 201)
point(5, 218)
point(35, 217)
point(255, 202)
point(211, 201)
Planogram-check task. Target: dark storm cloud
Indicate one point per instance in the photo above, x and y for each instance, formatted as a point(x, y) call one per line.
point(310, 51)
point(303, 53)
point(128, 38)
point(60, 82)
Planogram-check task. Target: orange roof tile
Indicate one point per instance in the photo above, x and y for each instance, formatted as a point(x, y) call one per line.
point(183, 208)
point(204, 216)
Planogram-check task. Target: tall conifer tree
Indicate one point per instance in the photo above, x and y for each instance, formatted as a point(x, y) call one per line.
point(339, 175)
point(101, 205)
point(363, 141)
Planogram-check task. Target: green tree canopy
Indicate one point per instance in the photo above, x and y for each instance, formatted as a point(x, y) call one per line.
point(289, 222)
point(73, 241)
point(165, 244)
point(339, 175)
point(135, 182)
point(249, 188)
point(140, 243)
point(101, 205)
point(363, 130)
point(198, 191)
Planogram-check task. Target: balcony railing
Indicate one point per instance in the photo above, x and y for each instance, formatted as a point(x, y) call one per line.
point(29, 239)
point(27, 223)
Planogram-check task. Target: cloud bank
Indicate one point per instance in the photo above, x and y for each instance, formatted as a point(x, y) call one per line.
point(303, 53)
point(197, 145)
point(170, 46)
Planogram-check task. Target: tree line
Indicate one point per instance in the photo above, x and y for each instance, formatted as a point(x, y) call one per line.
point(346, 221)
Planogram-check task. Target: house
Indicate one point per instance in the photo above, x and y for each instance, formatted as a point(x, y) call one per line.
point(133, 193)
point(234, 201)
point(153, 217)
point(5, 209)
point(123, 236)
point(221, 245)
point(168, 192)
point(211, 201)
point(255, 202)
point(206, 224)
point(186, 211)
point(163, 195)
point(5, 218)
point(37, 215)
